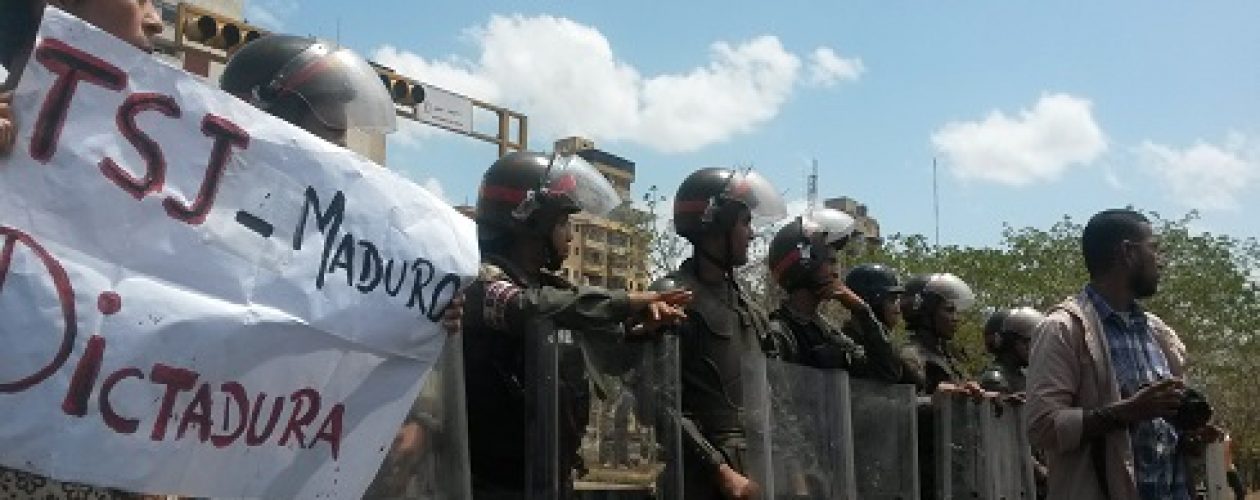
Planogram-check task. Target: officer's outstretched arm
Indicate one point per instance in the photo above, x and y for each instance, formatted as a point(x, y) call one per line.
point(576, 308)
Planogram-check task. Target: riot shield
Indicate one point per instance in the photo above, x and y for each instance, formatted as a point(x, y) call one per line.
point(809, 438)
point(982, 450)
point(1216, 467)
point(631, 429)
point(885, 435)
point(545, 345)
point(429, 457)
point(1006, 440)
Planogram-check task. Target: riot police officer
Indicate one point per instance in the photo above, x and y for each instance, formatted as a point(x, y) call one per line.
point(519, 308)
point(802, 260)
point(716, 209)
point(1008, 336)
point(932, 307)
point(317, 86)
point(880, 288)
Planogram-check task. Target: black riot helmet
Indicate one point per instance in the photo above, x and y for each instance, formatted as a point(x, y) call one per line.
point(526, 191)
point(873, 283)
point(295, 77)
point(801, 246)
point(924, 293)
point(1004, 326)
point(708, 199)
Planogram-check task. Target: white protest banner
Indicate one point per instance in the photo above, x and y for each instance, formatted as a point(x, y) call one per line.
point(197, 298)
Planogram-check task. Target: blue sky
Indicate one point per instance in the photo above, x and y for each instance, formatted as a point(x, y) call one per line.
point(1033, 110)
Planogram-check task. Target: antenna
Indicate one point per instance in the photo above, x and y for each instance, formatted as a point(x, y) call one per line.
point(811, 189)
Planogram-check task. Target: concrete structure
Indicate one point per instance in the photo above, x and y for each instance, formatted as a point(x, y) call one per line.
point(867, 226)
point(608, 252)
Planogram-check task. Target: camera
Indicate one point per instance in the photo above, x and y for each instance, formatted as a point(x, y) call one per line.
point(1194, 411)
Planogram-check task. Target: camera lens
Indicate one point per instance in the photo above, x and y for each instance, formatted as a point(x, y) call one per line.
point(1194, 411)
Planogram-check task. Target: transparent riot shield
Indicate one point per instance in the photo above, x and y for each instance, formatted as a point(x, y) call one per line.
point(629, 432)
point(758, 421)
point(981, 449)
point(429, 457)
point(884, 424)
point(1216, 467)
point(809, 438)
point(544, 346)
point(960, 456)
point(1006, 441)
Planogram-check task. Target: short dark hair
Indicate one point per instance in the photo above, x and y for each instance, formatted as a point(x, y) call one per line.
point(1103, 234)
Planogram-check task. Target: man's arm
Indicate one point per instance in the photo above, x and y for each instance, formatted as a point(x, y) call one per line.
point(504, 303)
point(1054, 422)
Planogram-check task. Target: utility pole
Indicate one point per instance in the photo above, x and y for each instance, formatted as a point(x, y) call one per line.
point(936, 204)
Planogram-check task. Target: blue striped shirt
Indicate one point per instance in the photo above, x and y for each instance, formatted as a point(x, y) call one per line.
point(1137, 360)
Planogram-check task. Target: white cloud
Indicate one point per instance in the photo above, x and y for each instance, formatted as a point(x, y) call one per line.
point(566, 77)
point(827, 69)
point(270, 14)
point(1113, 180)
point(1038, 145)
point(1205, 176)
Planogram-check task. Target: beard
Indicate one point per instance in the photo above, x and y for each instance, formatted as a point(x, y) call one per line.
point(1144, 285)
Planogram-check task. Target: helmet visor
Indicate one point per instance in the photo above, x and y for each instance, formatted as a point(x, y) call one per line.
point(581, 183)
point(759, 195)
point(829, 226)
point(951, 288)
point(340, 88)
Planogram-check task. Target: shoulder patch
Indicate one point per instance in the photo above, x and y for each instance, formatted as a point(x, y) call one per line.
point(499, 295)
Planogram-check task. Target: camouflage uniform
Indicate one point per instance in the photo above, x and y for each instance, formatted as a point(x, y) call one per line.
point(501, 305)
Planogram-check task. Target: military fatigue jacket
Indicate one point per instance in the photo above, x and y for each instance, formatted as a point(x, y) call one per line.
point(723, 326)
point(499, 308)
point(928, 362)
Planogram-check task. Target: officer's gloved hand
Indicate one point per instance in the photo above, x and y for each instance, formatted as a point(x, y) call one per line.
point(8, 129)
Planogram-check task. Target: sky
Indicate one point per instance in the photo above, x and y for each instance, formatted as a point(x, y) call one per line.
point(1031, 110)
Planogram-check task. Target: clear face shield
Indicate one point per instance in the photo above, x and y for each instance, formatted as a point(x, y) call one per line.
point(759, 195)
point(341, 89)
point(828, 227)
point(573, 176)
point(571, 181)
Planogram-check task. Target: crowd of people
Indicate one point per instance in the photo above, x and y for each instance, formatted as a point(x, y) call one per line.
point(1101, 380)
